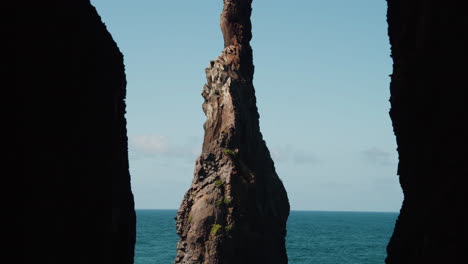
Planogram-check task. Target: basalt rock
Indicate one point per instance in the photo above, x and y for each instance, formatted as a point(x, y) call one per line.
point(429, 110)
point(70, 140)
point(236, 208)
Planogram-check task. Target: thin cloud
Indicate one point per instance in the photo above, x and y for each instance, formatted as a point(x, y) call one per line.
point(281, 154)
point(302, 157)
point(149, 144)
point(152, 145)
point(289, 154)
point(387, 180)
point(378, 156)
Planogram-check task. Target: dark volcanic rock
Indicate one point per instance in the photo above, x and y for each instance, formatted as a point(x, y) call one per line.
point(71, 141)
point(236, 208)
point(429, 110)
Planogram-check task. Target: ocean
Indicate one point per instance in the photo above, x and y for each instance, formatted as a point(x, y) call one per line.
point(314, 237)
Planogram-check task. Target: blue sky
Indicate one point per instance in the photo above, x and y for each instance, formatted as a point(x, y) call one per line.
point(322, 83)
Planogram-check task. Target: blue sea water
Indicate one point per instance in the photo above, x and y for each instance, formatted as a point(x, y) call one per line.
point(313, 237)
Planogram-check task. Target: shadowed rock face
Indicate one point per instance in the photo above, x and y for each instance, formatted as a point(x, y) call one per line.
point(429, 110)
point(71, 136)
point(236, 208)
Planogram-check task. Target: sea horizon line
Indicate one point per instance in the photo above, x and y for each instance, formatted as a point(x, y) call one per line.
point(295, 210)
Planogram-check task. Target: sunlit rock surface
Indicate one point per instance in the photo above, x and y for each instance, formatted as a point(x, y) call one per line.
point(236, 208)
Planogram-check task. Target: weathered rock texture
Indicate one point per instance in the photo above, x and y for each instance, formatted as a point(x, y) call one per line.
point(429, 110)
point(236, 208)
point(71, 141)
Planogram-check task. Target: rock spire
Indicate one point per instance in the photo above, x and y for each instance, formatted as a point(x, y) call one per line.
point(236, 208)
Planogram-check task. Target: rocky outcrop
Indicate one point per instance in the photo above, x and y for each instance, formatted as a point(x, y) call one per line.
point(236, 208)
point(429, 99)
point(71, 142)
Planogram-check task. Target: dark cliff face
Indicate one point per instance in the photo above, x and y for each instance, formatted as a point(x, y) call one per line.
point(71, 136)
point(236, 208)
point(429, 110)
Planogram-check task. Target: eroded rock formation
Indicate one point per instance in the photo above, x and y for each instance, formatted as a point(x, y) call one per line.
point(70, 142)
point(236, 208)
point(429, 110)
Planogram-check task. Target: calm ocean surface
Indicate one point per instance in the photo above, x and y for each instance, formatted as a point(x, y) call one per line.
point(313, 237)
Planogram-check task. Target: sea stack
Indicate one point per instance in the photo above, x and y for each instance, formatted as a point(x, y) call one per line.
point(236, 208)
point(429, 110)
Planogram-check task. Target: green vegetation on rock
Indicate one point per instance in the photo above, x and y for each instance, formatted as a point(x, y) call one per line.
point(230, 152)
point(225, 201)
point(218, 183)
point(214, 229)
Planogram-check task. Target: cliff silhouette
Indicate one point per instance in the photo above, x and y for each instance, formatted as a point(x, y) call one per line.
point(429, 100)
point(71, 136)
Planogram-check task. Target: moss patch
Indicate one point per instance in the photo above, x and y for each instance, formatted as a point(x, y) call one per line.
point(230, 152)
point(220, 202)
point(214, 229)
point(218, 183)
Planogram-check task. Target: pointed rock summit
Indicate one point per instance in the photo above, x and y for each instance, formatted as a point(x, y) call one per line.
point(236, 208)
